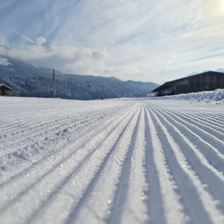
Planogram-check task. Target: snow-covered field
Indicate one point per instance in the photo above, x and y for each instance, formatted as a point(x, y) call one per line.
point(216, 96)
point(111, 161)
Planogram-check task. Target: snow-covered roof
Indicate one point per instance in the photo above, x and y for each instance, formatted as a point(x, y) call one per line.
point(171, 83)
point(6, 87)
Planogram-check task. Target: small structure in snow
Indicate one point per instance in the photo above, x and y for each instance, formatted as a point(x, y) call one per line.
point(4, 89)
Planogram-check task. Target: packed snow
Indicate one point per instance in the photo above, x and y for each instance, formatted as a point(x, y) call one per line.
point(205, 96)
point(111, 161)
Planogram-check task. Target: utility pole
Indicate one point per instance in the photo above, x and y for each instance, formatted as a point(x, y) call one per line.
point(54, 83)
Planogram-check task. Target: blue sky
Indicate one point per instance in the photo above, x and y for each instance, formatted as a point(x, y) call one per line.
point(149, 40)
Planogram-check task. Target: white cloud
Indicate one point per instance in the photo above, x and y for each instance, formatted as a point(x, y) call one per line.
point(40, 41)
point(66, 58)
point(4, 61)
point(149, 40)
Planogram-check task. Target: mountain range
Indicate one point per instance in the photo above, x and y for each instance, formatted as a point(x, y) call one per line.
point(32, 81)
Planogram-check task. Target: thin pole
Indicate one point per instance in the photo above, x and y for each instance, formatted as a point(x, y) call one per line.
point(54, 82)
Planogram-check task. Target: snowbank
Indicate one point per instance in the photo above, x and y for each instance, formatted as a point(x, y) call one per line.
point(205, 96)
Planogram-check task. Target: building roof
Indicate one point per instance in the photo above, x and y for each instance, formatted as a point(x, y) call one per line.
point(5, 86)
point(169, 84)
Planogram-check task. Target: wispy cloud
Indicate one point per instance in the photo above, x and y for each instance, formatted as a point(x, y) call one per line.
point(146, 39)
point(20, 35)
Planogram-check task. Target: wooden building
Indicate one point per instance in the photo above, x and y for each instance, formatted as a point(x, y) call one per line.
point(4, 89)
point(200, 82)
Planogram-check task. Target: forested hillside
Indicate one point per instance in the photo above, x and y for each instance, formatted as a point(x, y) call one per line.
point(28, 80)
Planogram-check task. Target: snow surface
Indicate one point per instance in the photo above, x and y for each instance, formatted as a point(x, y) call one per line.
point(111, 161)
point(205, 96)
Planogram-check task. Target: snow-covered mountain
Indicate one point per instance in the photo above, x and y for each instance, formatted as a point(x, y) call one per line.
point(28, 80)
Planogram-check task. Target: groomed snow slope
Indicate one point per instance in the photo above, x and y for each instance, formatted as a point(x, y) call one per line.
point(111, 161)
point(216, 96)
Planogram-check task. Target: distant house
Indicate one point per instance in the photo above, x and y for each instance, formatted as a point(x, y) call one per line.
point(200, 82)
point(4, 89)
